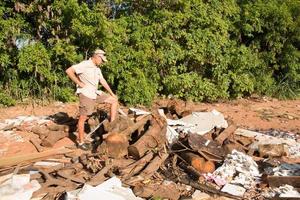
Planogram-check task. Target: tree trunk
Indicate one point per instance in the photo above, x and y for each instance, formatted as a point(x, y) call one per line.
point(154, 138)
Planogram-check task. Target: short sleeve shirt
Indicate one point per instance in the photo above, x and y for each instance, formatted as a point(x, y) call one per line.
point(90, 75)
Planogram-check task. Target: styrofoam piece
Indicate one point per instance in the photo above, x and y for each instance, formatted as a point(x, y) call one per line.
point(18, 187)
point(234, 189)
point(110, 189)
point(198, 122)
point(203, 122)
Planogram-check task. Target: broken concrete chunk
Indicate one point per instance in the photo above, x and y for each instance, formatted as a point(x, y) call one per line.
point(234, 189)
point(198, 195)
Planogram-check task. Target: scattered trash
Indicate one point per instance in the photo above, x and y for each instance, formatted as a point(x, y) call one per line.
point(11, 136)
point(110, 189)
point(287, 170)
point(18, 187)
point(202, 122)
point(239, 168)
point(264, 139)
point(197, 122)
point(169, 155)
point(294, 151)
point(11, 123)
point(286, 191)
point(234, 189)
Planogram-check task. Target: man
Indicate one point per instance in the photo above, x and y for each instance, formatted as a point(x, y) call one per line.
point(87, 75)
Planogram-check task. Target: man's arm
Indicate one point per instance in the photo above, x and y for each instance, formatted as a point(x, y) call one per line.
point(71, 73)
point(106, 86)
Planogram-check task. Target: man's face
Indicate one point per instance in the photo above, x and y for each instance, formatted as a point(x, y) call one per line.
point(98, 59)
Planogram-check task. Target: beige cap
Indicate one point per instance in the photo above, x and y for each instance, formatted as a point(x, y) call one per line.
point(101, 53)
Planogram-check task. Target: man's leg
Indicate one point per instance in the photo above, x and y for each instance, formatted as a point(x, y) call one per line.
point(81, 121)
point(106, 98)
point(113, 109)
point(86, 107)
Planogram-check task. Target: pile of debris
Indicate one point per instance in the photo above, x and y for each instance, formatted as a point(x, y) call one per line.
point(171, 153)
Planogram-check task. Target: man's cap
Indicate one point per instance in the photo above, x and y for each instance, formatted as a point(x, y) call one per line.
point(101, 53)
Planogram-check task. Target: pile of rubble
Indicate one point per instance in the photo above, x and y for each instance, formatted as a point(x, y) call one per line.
point(170, 153)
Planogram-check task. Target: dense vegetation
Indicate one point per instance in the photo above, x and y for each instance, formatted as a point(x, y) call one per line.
point(192, 49)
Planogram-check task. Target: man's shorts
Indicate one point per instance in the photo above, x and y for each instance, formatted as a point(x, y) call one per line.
point(87, 105)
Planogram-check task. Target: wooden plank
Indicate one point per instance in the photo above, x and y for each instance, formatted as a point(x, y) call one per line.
point(226, 134)
point(14, 160)
point(276, 181)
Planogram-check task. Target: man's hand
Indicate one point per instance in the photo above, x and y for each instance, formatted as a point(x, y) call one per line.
point(114, 96)
point(81, 84)
point(71, 73)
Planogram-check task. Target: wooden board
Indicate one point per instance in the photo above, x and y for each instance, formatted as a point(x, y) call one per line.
point(14, 160)
point(276, 181)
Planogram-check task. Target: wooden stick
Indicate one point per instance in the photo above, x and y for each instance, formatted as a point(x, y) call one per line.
point(14, 160)
point(136, 167)
point(154, 165)
point(226, 134)
point(154, 138)
point(100, 176)
point(37, 145)
point(136, 126)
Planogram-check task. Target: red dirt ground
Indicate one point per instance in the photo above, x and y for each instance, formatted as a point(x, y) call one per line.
point(254, 114)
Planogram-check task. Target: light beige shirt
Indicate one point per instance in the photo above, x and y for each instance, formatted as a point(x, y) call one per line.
point(90, 75)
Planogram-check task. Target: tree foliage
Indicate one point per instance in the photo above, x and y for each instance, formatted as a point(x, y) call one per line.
point(192, 49)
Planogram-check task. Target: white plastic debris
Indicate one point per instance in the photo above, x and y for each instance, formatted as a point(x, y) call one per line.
point(11, 123)
point(171, 134)
point(217, 179)
point(197, 122)
point(234, 190)
point(239, 168)
point(203, 122)
point(291, 146)
point(286, 169)
point(264, 139)
point(18, 187)
point(110, 189)
point(11, 136)
point(286, 191)
point(294, 151)
point(139, 111)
